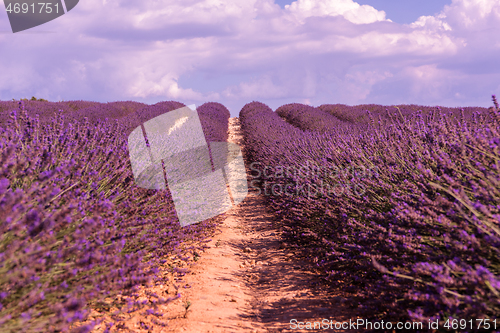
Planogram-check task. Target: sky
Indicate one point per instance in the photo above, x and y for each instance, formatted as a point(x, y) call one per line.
point(389, 52)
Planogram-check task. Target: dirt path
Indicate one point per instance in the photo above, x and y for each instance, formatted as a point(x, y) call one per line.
point(247, 281)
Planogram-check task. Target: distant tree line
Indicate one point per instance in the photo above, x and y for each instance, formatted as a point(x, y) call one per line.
point(33, 98)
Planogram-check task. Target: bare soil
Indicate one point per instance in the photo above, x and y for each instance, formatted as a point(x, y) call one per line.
point(247, 280)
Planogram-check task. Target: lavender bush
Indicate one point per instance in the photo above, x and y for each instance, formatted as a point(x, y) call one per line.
point(214, 118)
point(72, 110)
point(45, 110)
point(101, 111)
point(140, 115)
point(309, 118)
point(414, 234)
point(359, 114)
point(74, 229)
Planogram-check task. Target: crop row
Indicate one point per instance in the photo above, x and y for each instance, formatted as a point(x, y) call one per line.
point(74, 229)
point(359, 114)
point(404, 214)
point(73, 111)
point(309, 118)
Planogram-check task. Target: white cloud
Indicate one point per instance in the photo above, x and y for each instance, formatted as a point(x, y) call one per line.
point(431, 23)
point(243, 50)
point(473, 14)
point(349, 9)
point(464, 16)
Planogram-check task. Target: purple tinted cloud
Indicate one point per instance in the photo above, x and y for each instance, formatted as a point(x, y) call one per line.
point(233, 52)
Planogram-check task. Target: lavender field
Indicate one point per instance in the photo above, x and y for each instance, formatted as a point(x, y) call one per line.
point(74, 228)
point(399, 205)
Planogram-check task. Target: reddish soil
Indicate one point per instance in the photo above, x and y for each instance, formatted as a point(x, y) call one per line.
point(246, 281)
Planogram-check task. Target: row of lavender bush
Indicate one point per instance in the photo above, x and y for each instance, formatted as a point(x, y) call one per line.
point(74, 229)
point(358, 114)
point(310, 118)
point(405, 215)
point(338, 118)
point(214, 118)
point(71, 110)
